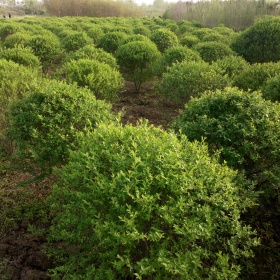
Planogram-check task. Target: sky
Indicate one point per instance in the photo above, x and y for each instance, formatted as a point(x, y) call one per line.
point(149, 2)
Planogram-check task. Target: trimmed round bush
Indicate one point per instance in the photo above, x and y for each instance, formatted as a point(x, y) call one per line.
point(46, 47)
point(201, 32)
point(244, 129)
point(21, 55)
point(111, 41)
point(75, 40)
point(271, 89)
point(189, 40)
point(136, 37)
point(137, 60)
point(137, 203)
point(15, 81)
point(233, 65)
point(212, 51)
point(164, 38)
point(103, 80)
point(178, 54)
point(241, 125)
point(254, 76)
point(260, 42)
point(7, 29)
point(190, 79)
point(45, 123)
point(90, 52)
point(142, 30)
point(16, 39)
point(95, 33)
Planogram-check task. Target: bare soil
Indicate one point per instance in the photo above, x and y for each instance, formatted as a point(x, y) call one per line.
point(21, 253)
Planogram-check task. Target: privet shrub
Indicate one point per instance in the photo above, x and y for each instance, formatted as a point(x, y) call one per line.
point(260, 42)
point(191, 78)
point(244, 128)
point(44, 124)
point(137, 203)
point(16, 39)
point(201, 32)
point(178, 54)
point(111, 41)
point(164, 38)
point(212, 51)
point(75, 40)
point(136, 37)
point(90, 52)
point(142, 30)
point(95, 33)
point(255, 75)
point(189, 40)
point(46, 47)
point(15, 81)
point(271, 89)
point(103, 80)
point(242, 125)
point(137, 60)
point(7, 29)
point(21, 55)
point(232, 65)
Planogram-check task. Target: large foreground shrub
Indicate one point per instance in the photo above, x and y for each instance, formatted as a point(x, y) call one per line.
point(137, 203)
point(44, 124)
point(190, 79)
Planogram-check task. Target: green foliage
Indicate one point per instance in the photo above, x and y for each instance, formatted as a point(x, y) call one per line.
point(189, 40)
point(44, 124)
point(7, 29)
point(138, 61)
point(16, 39)
point(137, 203)
point(111, 41)
point(142, 30)
point(46, 47)
point(260, 42)
point(212, 51)
point(240, 124)
point(21, 55)
point(103, 80)
point(233, 65)
point(164, 38)
point(244, 129)
point(254, 76)
point(190, 79)
point(136, 37)
point(90, 52)
point(15, 81)
point(95, 33)
point(178, 54)
point(75, 40)
point(271, 89)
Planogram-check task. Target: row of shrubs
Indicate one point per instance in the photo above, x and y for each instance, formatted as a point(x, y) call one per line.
point(195, 202)
point(141, 202)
